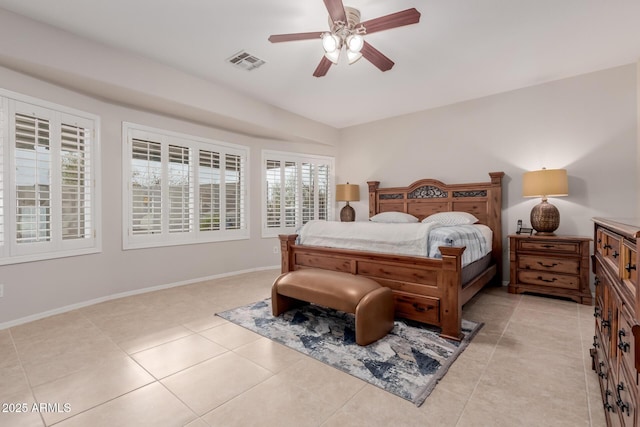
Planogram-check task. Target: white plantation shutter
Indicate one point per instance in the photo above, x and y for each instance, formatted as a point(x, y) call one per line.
point(297, 190)
point(210, 179)
point(48, 172)
point(323, 191)
point(33, 179)
point(182, 189)
point(76, 177)
point(234, 194)
point(308, 195)
point(290, 172)
point(146, 191)
point(273, 180)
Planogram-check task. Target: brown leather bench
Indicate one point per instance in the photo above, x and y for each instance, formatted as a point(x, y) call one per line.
point(371, 303)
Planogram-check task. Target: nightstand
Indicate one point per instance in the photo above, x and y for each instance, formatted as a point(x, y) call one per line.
point(551, 265)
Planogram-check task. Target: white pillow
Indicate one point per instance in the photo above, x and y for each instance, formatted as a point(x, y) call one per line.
point(393, 217)
point(451, 218)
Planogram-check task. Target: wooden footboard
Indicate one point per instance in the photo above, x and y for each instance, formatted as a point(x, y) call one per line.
point(426, 290)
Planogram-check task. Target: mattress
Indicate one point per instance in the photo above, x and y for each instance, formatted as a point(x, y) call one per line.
point(414, 239)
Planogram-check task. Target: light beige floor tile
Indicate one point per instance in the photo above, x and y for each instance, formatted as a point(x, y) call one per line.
point(174, 356)
point(443, 408)
point(549, 305)
point(154, 338)
point(72, 343)
point(206, 322)
point(209, 384)
point(269, 354)
point(336, 386)
point(373, 407)
point(151, 406)
point(17, 410)
point(273, 403)
point(462, 377)
point(93, 386)
point(230, 335)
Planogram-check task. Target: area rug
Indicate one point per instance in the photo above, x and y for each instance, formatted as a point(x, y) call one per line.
point(408, 362)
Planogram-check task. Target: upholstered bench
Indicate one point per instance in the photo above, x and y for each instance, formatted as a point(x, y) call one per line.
point(371, 303)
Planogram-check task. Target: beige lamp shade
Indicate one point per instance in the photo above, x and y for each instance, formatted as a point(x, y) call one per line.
point(545, 183)
point(545, 218)
point(347, 192)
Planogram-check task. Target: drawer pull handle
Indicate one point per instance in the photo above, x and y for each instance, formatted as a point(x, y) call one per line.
point(596, 281)
point(615, 254)
point(547, 265)
point(607, 246)
point(623, 346)
point(418, 308)
point(606, 324)
point(629, 267)
point(607, 405)
point(547, 246)
point(595, 342)
point(624, 407)
point(596, 312)
point(547, 280)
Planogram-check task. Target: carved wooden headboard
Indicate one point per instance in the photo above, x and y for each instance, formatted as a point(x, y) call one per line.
point(429, 196)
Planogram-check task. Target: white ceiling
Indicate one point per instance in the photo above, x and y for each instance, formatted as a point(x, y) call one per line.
point(460, 50)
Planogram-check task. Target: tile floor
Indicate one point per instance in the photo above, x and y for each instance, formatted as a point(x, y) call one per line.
point(163, 359)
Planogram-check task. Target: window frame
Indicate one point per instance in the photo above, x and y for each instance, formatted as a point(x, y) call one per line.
point(59, 117)
point(194, 235)
point(299, 159)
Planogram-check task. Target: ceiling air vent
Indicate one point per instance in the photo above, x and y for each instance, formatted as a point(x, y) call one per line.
point(245, 60)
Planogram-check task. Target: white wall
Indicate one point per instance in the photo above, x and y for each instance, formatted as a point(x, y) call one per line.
point(35, 288)
point(586, 124)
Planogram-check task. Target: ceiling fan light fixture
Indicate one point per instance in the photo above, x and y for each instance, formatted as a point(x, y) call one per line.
point(330, 42)
point(353, 56)
point(355, 42)
point(333, 56)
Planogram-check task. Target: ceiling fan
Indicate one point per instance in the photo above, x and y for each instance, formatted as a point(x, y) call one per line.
point(347, 31)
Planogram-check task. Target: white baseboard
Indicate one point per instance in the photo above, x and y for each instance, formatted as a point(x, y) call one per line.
point(71, 307)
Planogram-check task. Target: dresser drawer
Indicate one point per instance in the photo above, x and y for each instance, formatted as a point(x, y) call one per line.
point(550, 245)
point(625, 340)
point(629, 270)
point(611, 250)
point(542, 278)
point(556, 265)
point(420, 308)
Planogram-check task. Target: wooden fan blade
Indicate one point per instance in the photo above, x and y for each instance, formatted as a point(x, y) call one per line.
point(322, 67)
point(336, 10)
point(278, 38)
point(376, 57)
point(398, 19)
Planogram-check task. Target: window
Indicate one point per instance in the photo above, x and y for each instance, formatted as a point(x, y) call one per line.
point(49, 157)
point(180, 189)
point(297, 189)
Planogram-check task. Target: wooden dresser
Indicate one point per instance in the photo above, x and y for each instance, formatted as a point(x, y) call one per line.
point(616, 342)
point(552, 265)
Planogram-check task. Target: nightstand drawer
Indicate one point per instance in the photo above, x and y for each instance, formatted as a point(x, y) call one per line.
point(550, 245)
point(554, 280)
point(556, 265)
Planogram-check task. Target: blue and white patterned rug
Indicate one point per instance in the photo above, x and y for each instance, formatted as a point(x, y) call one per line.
point(408, 362)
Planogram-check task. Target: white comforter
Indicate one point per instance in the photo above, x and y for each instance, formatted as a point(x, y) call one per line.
point(401, 239)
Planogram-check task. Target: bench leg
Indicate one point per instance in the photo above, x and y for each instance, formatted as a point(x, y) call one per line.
point(374, 316)
point(281, 303)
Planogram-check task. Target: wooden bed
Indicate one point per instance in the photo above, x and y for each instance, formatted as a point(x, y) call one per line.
point(427, 290)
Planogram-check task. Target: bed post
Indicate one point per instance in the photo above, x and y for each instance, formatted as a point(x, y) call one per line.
point(373, 187)
point(495, 217)
point(286, 255)
point(451, 303)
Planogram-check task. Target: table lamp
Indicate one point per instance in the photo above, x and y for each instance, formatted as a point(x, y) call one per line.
point(347, 193)
point(544, 183)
